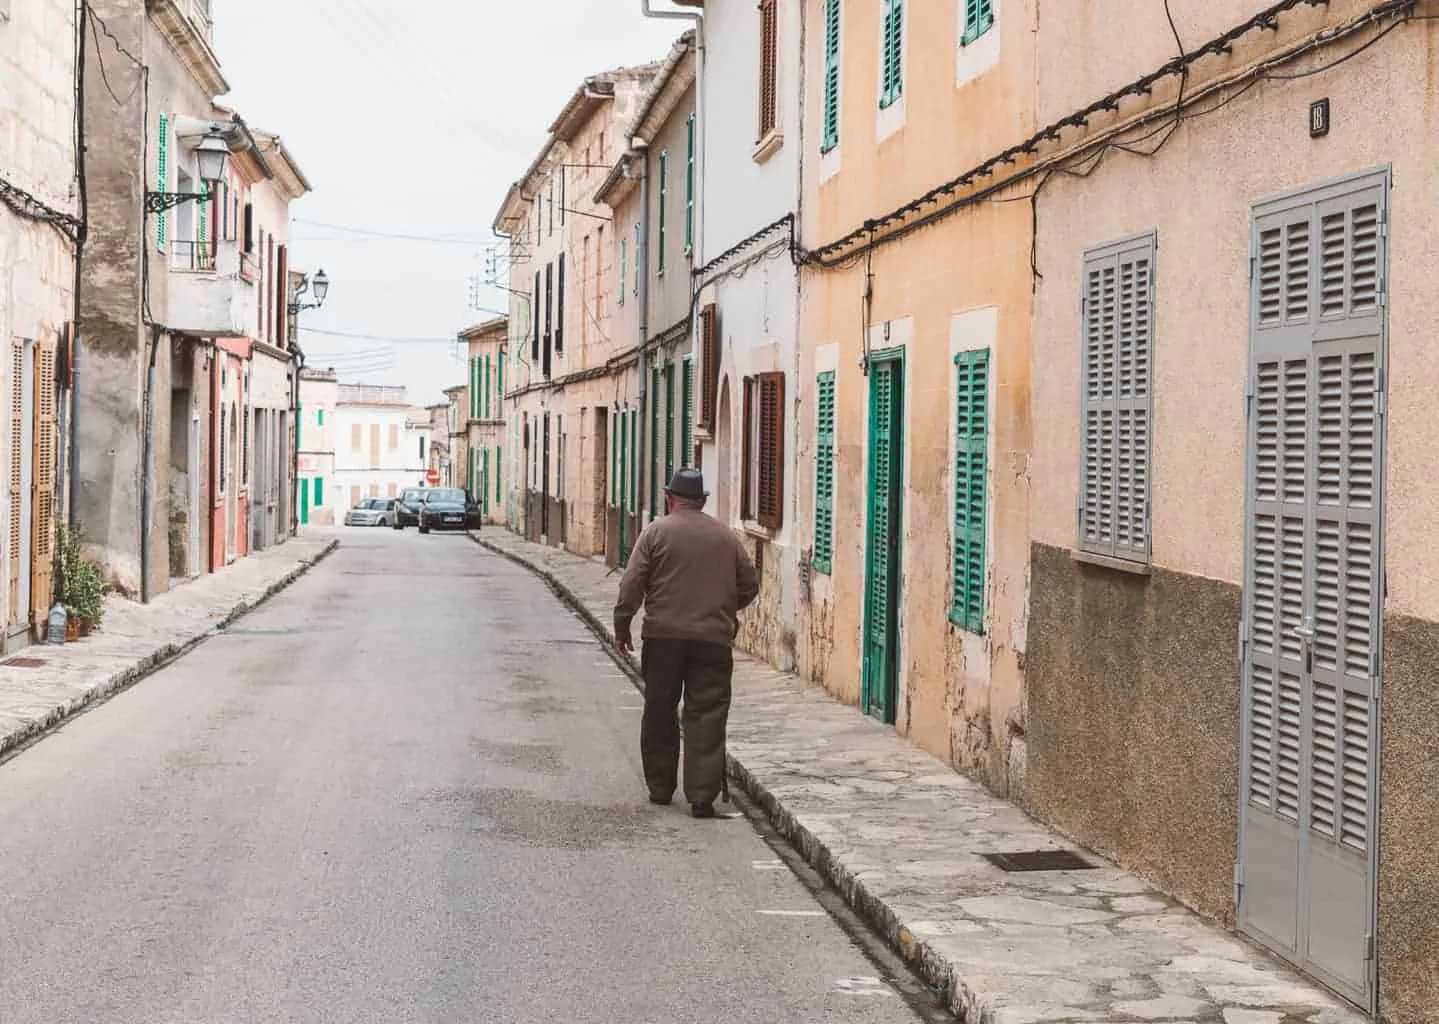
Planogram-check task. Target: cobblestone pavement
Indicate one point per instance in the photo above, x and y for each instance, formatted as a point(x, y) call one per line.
point(901, 836)
point(136, 638)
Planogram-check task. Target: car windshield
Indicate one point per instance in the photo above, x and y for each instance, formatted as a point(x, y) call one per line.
point(413, 496)
point(447, 497)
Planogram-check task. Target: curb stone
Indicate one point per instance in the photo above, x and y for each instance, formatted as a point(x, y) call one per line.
point(932, 967)
point(37, 729)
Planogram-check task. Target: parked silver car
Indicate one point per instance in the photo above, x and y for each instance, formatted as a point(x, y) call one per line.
point(372, 512)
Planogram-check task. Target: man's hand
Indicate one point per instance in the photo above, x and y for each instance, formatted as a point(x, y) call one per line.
point(624, 645)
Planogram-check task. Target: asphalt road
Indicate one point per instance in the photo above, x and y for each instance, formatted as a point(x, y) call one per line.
point(407, 789)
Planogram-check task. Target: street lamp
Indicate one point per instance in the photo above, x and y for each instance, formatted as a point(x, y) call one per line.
point(319, 286)
point(211, 154)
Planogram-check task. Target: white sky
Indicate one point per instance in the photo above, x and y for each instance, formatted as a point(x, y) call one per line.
point(412, 117)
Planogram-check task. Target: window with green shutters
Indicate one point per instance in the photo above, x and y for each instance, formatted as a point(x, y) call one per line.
point(687, 416)
point(654, 444)
point(624, 268)
point(978, 19)
point(823, 558)
point(892, 53)
point(690, 183)
point(830, 138)
point(971, 465)
point(664, 209)
point(669, 422)
point(162, 176)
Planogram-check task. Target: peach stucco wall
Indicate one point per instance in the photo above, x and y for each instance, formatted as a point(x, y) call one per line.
point(1197, 197)
point(963, 283)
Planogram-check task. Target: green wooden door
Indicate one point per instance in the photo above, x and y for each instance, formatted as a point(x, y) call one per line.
point(886, 448)
point(304, 502)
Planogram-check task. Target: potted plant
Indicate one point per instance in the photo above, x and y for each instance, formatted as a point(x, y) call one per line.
point(82, 587)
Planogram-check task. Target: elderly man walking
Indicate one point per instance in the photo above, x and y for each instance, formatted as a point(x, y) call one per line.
point(693, 577)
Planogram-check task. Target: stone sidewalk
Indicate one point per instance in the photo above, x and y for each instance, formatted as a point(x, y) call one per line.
point(902, 836)
point(42, 686)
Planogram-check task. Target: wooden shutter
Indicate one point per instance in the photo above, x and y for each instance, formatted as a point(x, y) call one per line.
point(535, 316)
point(892, 53)
point(499, 456)
point(769, 508)
point(978, 19)
point(687, 414)
point(710, 365)
point(560, 306)
point(162, 180)
point(549, 347)
point(971, 464)
point(282, 293)
point(17, 464)
point(747, 451)
point(1118, 342)
point(830, 137)
point(768, 71)
point(823, 556)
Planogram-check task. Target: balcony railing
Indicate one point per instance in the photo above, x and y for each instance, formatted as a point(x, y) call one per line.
point(193, 257)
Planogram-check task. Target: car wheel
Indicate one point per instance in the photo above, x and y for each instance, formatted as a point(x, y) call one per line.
point(424, 529)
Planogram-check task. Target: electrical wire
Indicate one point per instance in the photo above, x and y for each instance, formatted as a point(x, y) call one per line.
point(380, 337)
point(400, 236)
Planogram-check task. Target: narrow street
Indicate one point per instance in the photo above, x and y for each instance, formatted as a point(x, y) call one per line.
point(406, 789)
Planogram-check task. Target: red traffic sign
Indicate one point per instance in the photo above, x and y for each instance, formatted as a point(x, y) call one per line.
point(433, 476)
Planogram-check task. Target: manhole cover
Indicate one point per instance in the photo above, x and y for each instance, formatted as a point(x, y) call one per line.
point(1039, 860)
point(23, 663)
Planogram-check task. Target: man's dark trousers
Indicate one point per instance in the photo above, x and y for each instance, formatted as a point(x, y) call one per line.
point(701, 672)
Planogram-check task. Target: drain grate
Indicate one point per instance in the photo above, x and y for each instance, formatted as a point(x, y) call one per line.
point(1040, 860)
point(22, 663)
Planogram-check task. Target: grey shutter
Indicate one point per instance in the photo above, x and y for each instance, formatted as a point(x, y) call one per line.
point(1313, 581)
point(1118, 326)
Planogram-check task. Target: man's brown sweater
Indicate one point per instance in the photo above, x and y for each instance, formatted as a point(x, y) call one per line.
point(692, 576)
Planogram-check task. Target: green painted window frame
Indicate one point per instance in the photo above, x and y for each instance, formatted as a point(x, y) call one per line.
point(968, 569)
point(690, 184)
point(664, 210)
point(891, 54)
point(822, 559)
point(830, 137)
point(978, 19)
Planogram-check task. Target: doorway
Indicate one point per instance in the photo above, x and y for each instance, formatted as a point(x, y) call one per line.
point(880, 638)
point(1313, 587)
point(602, 482)
point(545, 481)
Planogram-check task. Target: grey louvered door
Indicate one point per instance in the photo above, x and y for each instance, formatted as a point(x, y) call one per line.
point(1313, 580)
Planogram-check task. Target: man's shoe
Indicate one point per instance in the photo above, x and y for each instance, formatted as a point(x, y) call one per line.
point(663, 801)
point(702, 810)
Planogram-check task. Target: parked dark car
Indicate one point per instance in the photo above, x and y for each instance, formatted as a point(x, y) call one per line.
point(408, 504)
point(449, 508)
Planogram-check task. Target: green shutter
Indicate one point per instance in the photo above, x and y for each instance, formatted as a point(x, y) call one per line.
point(690, 183)
point(499, 455)
point(319, 491)
point(614, 462)
point(664, 208)
point(978, 19)
point(687, 416)
point(634, 495)
point(669, 421)
point(892, 54)
point(163, 176)
point(500, 384)
point(654, 442)
point(304, 501)
point(624, 267)
point(824, 475)
point(971, 461)
point(485, 486)
point(486, 392)
point(320, 417)
point(831, 76)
